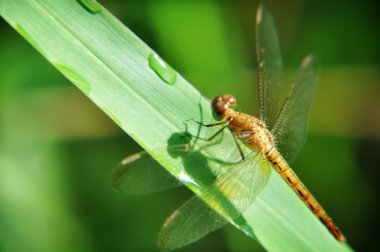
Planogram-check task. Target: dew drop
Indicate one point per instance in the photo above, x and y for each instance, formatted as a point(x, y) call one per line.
point(162, 69)
point(27, 36)
point(75, 78)
point(247, 230)
point(112, 116)
point(244, 226)
point(91, 5)
point(187, 179)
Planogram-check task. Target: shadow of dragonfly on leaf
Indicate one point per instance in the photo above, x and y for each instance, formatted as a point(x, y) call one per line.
point(219, 199)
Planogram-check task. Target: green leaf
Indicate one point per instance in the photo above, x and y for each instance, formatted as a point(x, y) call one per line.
point(110, 65)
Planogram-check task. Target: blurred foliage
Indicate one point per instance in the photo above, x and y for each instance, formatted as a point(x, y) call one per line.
point(57, 150)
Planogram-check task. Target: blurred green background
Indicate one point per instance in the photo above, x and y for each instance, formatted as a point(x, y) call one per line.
point(58, 150)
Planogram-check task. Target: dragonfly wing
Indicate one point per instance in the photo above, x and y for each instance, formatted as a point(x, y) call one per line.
point(222, 201)
point(290, 129)
point(140, 173)
point(269, 67)
point(189, 223)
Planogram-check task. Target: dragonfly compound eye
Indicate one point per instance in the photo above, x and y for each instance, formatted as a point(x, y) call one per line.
point(219, 106)
point(230, 100)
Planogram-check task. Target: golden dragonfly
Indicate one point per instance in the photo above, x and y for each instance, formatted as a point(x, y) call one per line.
point(279, 132)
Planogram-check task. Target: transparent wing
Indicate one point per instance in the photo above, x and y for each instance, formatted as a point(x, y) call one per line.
point(140, 174)
point(269, 67)
point(290, 129)
point(229, 196)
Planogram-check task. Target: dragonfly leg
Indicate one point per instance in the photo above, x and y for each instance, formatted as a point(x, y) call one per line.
point(208, 125)
point(213, 136)
point(239, 147)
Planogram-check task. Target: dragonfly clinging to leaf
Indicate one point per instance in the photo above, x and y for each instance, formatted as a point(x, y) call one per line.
point(274, 139)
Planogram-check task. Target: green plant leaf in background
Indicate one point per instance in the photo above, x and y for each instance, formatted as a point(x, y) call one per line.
point(111, 66)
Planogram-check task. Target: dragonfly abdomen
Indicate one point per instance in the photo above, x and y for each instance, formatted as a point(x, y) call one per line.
point(287, 174)
point(253, 134)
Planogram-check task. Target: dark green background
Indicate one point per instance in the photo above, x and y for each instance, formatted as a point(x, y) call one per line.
point(57, 149)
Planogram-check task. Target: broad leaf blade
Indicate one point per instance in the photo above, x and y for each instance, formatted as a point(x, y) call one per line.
point(110, 65)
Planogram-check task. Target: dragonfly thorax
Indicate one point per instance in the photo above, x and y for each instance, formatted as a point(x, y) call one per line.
point(249, 129)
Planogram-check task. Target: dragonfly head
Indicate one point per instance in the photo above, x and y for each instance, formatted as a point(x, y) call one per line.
point(221, 104)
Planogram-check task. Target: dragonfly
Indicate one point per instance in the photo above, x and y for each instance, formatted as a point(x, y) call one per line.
point(274, 139)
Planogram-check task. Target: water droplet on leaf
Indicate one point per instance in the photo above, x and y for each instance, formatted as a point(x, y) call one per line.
point(27, 36)
point(91, 5)
point(162, 69)
point(112, 116)
point(75, 78)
